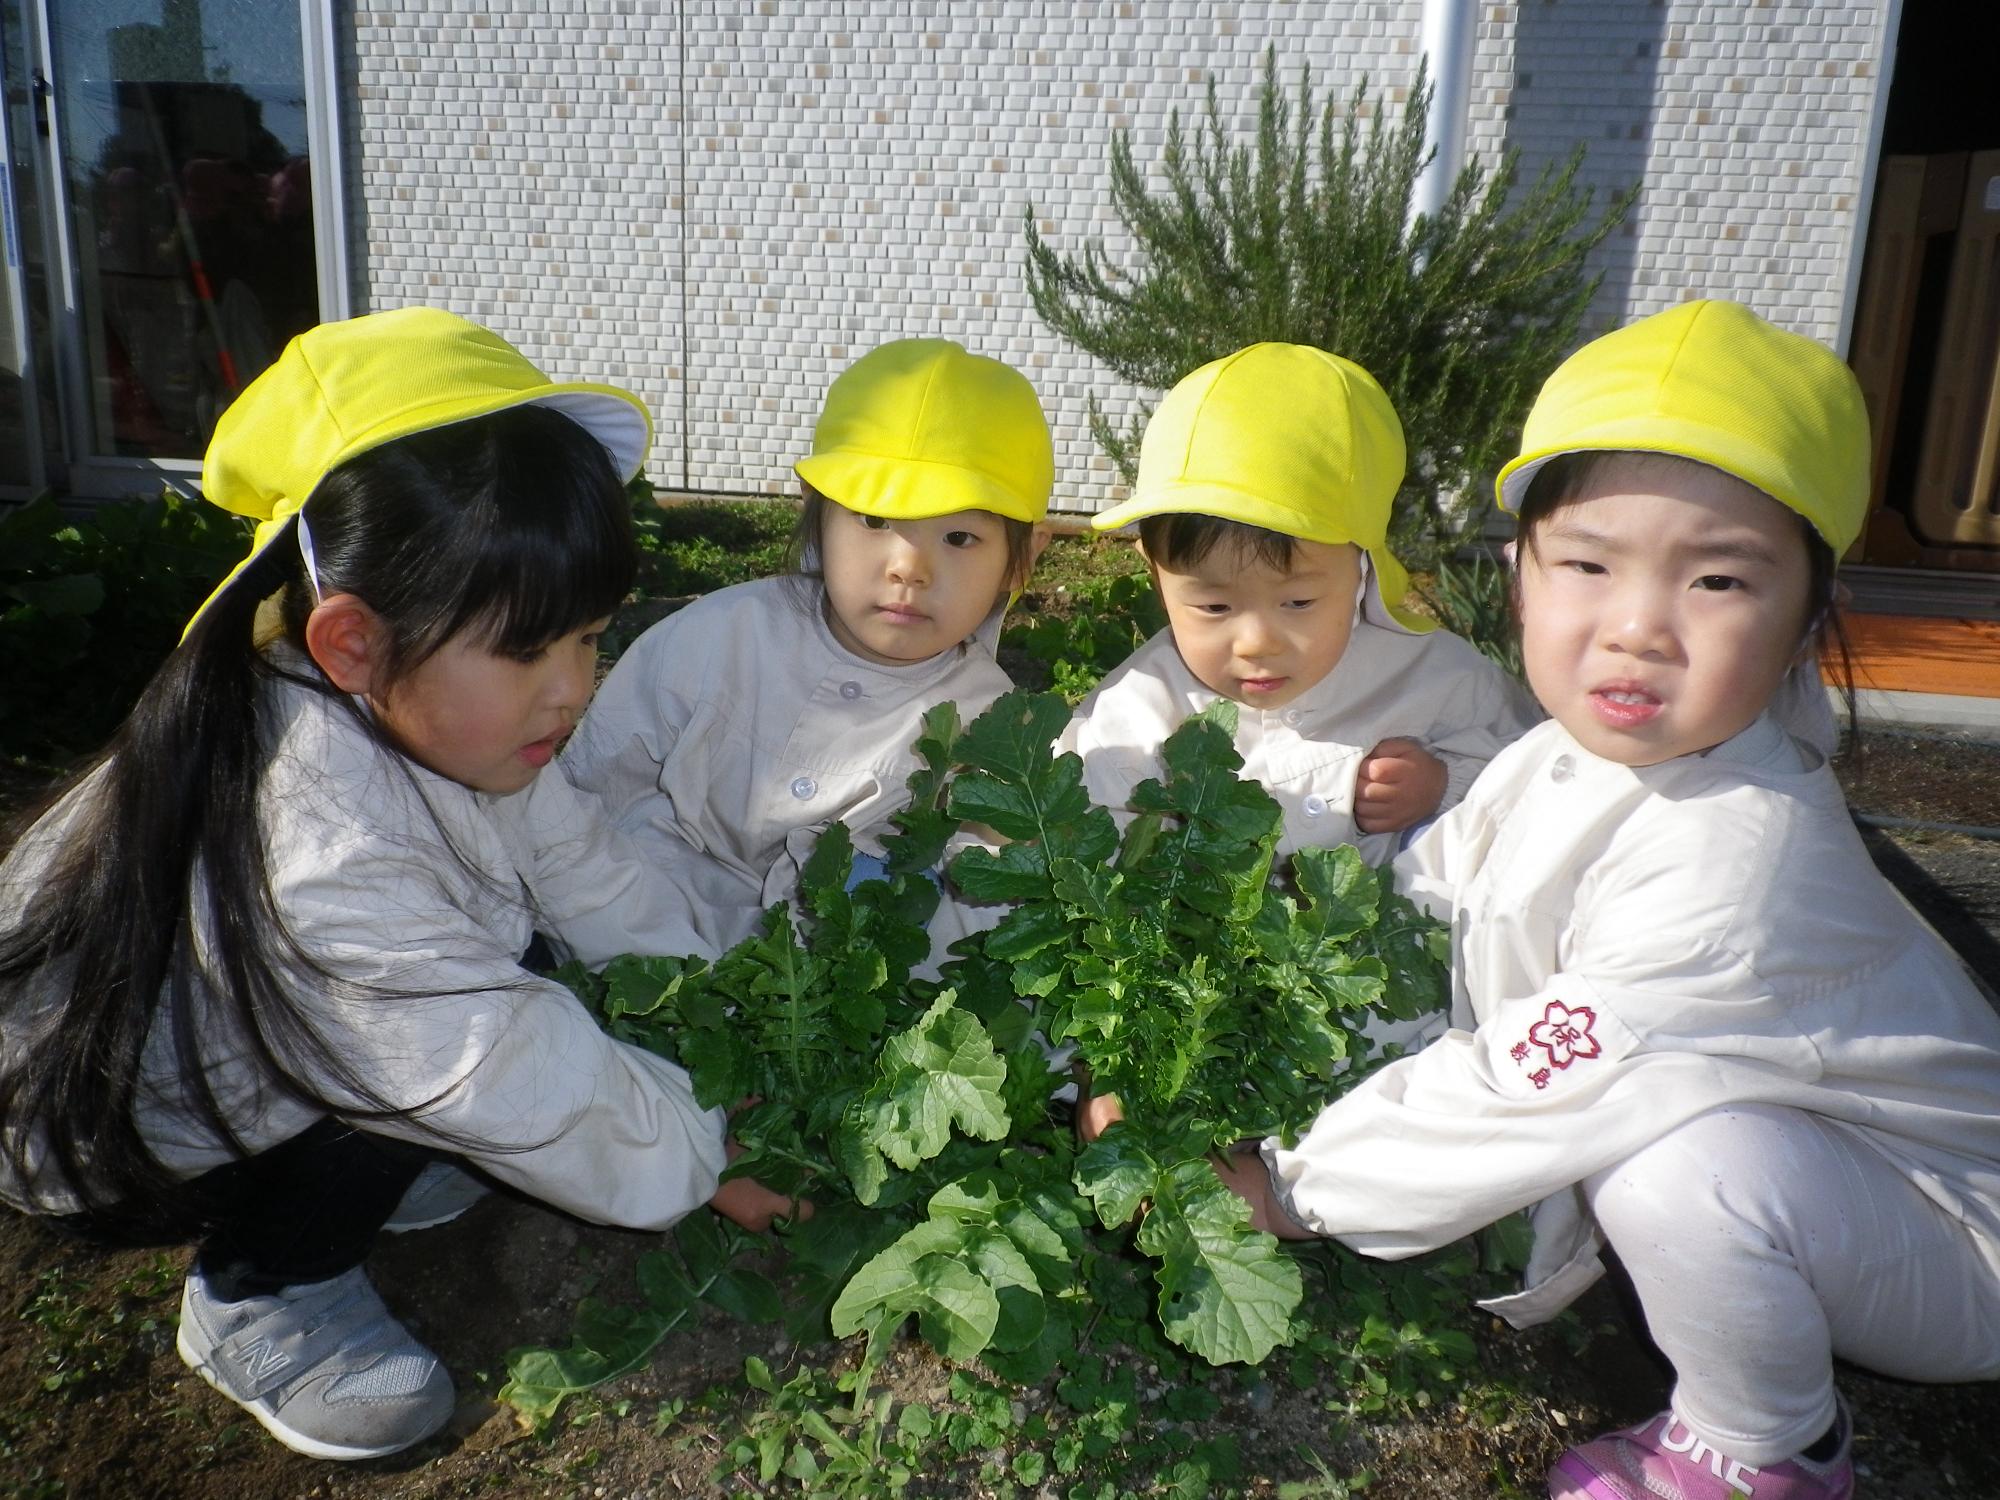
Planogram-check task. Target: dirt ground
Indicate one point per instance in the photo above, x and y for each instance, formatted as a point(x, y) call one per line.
point(95, 1403)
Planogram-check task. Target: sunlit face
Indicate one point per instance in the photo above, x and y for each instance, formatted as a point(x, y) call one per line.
point(902, 591)
point(1262, 635)
point(492, 722)
point(1661, 610)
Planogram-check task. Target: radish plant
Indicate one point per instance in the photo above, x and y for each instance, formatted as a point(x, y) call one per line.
point(1221, 1003)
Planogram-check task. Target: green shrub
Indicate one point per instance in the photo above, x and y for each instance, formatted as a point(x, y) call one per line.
point(90, 607)
point(1304, 237)
point(1473, 597)
point(1107, 619)
point(701, 546)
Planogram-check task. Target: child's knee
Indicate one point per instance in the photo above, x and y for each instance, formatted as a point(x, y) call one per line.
point(1732, 1170)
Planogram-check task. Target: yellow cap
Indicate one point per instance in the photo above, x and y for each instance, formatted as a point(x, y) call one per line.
point(1714, 382)
point(921, 428)
point(341, 389)
point(1284, 437)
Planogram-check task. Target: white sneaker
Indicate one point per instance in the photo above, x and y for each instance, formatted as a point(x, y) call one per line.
point(323, 1367)
point(440, 1194)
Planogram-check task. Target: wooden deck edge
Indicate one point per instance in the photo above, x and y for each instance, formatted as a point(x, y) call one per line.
point(1924, 654)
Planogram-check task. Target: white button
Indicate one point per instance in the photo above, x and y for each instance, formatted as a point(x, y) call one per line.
point(1562, 769)
point(850, 691)
point(1315, 806)
point(1292, 716)
point(804, 787)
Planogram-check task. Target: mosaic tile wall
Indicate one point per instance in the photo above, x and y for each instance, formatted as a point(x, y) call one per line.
point(722, 205)
point(1747, 124)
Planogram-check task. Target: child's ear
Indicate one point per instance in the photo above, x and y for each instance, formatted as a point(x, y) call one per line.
point(345, 638)
point(1037, 543)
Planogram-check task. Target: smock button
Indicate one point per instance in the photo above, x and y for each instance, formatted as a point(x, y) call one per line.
point(1562, 769)
point(1315, 806)
point(1292, 717)
point(804, 787)
point(850, 691)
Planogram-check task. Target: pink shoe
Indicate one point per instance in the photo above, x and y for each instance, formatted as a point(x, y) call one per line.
point(1662, 1459)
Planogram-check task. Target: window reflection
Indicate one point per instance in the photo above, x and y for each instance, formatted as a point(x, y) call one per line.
point(190, 195)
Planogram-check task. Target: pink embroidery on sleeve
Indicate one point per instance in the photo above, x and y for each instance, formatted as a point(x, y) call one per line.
point(1565, 1034)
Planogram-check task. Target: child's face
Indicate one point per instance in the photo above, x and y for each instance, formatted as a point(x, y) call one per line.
point(492, 722)
point(902, 591)
point(1661, 610)
point(1261, 635)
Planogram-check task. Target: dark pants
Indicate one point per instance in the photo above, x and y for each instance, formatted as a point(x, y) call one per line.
point(306, 1210)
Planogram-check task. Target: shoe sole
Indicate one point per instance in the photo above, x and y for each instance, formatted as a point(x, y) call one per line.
point(411, 1226)
point(297, 1441)
point(1579, 1483)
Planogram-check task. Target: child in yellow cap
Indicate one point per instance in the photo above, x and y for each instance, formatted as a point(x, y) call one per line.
point(1263, 498)
point(731, 734)
point(1690, 1019)
point(260, 964)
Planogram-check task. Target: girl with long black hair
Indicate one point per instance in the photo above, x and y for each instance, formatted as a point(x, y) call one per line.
point(260, 962)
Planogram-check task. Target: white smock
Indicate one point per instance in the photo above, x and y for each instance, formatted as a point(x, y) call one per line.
point(1633, 948)
point(1390, 682)
point(733, 733)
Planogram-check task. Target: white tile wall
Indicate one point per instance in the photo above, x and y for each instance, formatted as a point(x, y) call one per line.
point(722, 205)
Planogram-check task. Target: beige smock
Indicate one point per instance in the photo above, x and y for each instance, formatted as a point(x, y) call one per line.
point(1632, 948)
point(360, 844)
point(732, 734)
point(1434, 688)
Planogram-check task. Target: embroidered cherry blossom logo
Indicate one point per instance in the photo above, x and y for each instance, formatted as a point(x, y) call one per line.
point(1565, 1034)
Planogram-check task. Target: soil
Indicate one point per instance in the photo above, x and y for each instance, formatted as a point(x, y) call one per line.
point(94, 1402)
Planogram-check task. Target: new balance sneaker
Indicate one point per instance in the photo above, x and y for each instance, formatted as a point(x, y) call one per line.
point(324, 1367)
point(440, 1194)
point(1663, 1460)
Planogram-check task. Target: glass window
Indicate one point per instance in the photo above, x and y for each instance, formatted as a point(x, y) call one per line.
point(187, 183)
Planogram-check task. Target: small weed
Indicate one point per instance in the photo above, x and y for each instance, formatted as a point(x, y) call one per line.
point(37, 1484)
point(82, 1338)
point(1325, 1484)
point(796, 1436)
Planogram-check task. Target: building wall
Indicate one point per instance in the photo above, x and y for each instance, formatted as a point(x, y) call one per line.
point(1747, 126)
point(722, 205)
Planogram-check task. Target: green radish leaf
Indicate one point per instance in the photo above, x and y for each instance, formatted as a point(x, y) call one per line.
point(1227, 1291)
point(924, 1273)
point(1116, 1174)
point(941, 1073)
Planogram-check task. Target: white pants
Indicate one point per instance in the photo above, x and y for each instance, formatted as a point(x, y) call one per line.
point(1762, 1242)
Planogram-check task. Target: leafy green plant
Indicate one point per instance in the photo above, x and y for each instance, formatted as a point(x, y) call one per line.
point(1304, 235)
point(791, 1436)
point(1105, 621)
point(915, 1113)
point(610, 1341)
point(91, 605)
point(82, 1337)
point(1473, 597)
point(1218, 1007)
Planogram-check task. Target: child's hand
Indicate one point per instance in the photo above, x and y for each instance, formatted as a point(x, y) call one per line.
point(1095, 1114)
point(746, 1201)
point(1245, 1175)
point(1400, 783)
